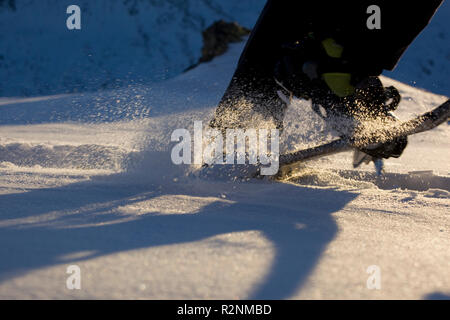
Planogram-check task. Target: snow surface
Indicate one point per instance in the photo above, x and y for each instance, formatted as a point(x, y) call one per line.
point(86, 179)
point(121, 42)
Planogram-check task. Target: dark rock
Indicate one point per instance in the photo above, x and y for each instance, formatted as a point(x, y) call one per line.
point(217, 37)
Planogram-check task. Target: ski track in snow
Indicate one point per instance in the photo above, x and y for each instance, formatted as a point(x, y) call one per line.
point(87, 179)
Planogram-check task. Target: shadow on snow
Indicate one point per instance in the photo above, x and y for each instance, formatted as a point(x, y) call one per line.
point(29, 246)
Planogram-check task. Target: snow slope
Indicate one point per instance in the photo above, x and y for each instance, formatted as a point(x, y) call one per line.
point(86, 179)
point(121, 42)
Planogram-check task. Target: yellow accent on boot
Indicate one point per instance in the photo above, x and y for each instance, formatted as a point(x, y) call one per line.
point(332, 48)
point(339, 83)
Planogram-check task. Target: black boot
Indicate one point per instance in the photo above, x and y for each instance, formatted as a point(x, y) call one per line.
point(312, 69)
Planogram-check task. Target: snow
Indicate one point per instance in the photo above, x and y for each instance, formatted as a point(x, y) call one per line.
point(86, 179)
point(121, 42)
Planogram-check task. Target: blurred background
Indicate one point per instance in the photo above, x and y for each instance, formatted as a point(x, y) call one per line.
point(123, 42)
